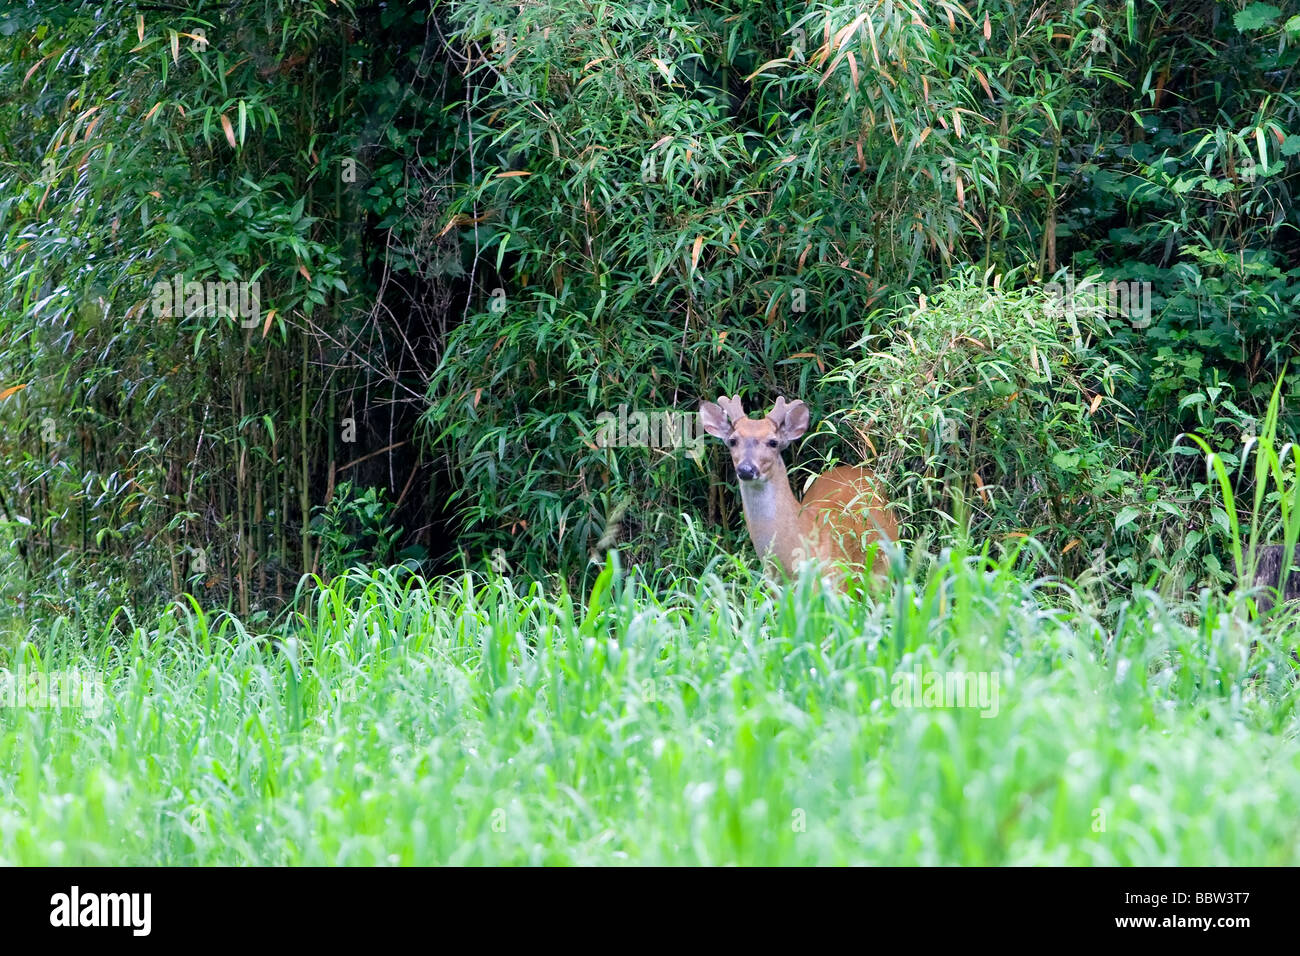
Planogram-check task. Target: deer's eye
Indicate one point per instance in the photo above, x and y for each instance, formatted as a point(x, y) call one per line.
point(772, 443)
point(731, 443)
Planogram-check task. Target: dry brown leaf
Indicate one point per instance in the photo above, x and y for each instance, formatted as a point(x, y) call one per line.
point(36, 66)
point(230, 131)
point(770, 63)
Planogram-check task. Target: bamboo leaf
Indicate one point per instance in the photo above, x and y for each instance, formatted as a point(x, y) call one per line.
point(229, 130)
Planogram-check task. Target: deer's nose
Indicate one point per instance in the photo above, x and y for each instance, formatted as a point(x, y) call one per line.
point(746, 471)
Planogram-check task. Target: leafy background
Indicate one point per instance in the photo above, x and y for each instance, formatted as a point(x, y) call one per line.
point(478, 225)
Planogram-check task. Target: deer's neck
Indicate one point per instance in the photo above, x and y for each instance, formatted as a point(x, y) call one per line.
point(772, 516)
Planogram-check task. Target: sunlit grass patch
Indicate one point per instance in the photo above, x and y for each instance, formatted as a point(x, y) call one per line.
point(491, 721)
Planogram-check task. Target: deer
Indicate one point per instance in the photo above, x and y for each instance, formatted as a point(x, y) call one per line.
point(1268, 577)
point(840, 516)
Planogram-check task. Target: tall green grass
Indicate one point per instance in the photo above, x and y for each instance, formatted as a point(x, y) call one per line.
point(489, 721)
point(1274, 497)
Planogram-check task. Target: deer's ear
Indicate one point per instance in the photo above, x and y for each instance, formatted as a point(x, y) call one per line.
point(790, 418)
point(715, 420)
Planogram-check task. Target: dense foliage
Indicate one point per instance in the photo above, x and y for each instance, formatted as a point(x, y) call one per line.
point(675, 201)
point(477, 230)
point(156, 442)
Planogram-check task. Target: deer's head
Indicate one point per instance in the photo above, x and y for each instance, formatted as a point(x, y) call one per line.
point(755, 443)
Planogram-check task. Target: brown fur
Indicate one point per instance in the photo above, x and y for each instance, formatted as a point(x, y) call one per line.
point(839, 518)
point(1268, 575)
